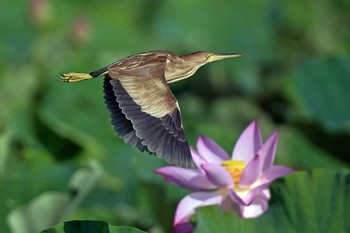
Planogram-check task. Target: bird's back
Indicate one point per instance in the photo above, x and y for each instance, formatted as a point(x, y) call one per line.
point(140, 60)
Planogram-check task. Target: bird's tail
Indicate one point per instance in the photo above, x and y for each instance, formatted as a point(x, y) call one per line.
point(77, 77)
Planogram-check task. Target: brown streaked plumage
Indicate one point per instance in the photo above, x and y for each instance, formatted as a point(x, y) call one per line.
point(144, 111)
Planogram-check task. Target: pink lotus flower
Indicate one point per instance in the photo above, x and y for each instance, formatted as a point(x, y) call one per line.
point(239, 183)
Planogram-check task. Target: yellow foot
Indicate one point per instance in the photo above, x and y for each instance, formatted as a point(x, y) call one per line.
point(75, 77)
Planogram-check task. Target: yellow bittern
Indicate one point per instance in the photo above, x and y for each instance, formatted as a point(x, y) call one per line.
point(144, 111)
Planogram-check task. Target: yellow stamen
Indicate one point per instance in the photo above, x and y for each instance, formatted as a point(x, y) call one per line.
point(235, 168)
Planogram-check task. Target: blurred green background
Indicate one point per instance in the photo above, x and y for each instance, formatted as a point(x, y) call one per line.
point(294, 77)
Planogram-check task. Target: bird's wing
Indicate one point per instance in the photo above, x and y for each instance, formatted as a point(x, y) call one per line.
point(144, 79)
point(122, 125)
point(146, 101)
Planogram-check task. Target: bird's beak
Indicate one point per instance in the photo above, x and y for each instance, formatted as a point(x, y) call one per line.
point(215, 57)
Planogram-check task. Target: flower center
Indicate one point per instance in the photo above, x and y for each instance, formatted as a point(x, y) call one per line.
point(235, 168)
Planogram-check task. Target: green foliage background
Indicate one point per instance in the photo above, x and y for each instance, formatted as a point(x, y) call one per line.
point(294, 77)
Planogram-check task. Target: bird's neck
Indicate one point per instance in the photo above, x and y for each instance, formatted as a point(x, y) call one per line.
point(177, 69)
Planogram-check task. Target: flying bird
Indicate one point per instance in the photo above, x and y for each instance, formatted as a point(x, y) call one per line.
point(144, 111)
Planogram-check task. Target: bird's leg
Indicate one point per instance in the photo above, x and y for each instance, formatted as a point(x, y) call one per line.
point(75, 77)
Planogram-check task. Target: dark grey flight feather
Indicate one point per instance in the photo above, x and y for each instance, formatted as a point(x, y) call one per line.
point(163, 136)
point(122, 125)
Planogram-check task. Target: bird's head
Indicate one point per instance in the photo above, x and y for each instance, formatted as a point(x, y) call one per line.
point(188, 64)
point(202, 58)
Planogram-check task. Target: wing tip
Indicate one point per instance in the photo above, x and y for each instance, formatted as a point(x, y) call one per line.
point(179, 155)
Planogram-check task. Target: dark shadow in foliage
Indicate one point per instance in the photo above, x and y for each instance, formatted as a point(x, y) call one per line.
point(60, 147)
point(85, 226)
point(89, 226)
point(334, 143)
point(277, 107)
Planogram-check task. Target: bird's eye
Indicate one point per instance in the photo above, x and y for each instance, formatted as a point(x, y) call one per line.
point(208, 56)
